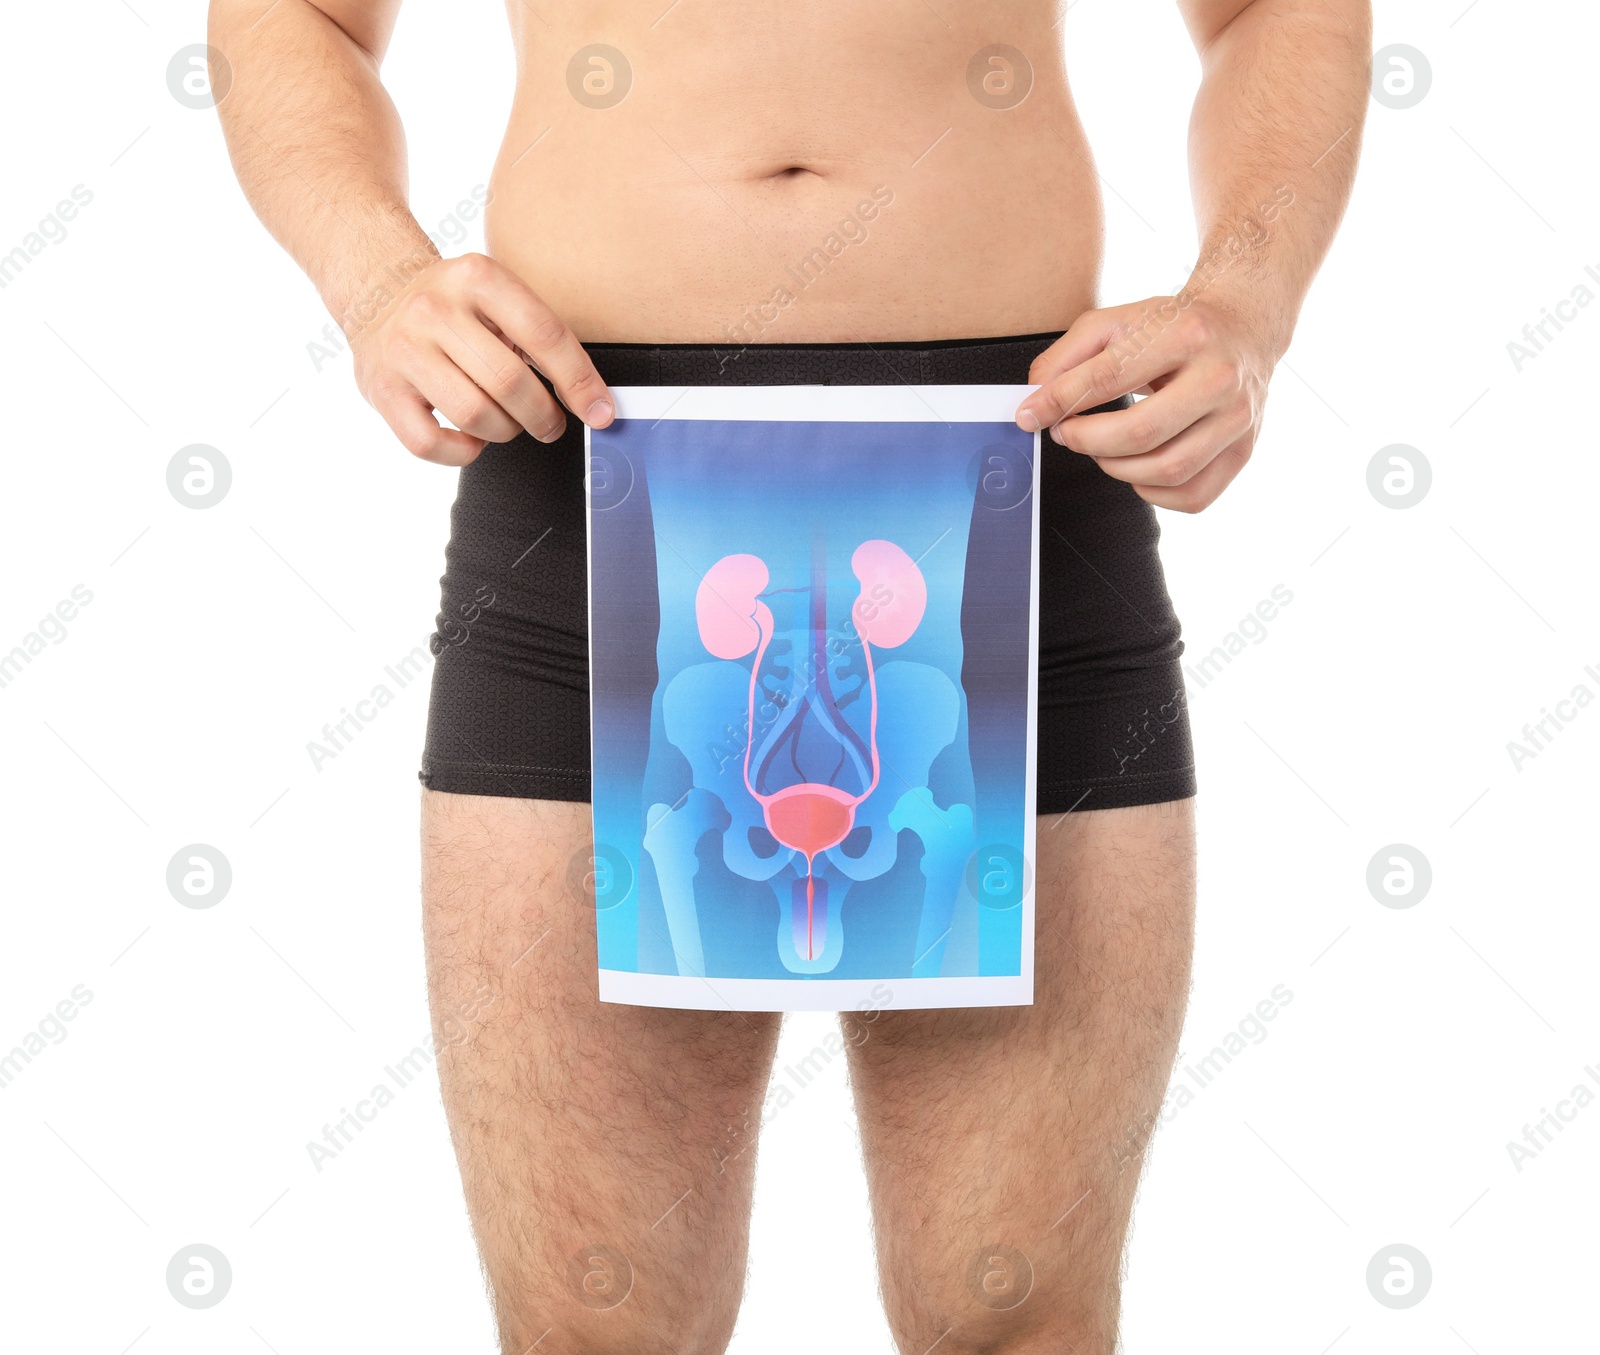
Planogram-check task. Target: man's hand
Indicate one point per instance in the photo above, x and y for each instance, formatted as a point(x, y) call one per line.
point(1205, 375)
point(309, 124)
point(1269, 191)
point(459, 340)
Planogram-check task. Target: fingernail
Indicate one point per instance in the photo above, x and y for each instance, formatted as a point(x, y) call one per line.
point(1027, 421)
point(553, 432)
point(599, 412)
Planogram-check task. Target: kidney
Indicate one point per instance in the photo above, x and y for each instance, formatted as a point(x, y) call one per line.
point(731, 616)
point(893, 597)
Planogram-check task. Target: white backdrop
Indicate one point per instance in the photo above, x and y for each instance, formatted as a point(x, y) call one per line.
point(198, 651)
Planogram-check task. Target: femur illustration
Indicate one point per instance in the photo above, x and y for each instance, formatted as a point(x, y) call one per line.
point(805, 764)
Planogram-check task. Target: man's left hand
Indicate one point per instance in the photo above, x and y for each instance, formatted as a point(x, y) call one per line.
point(1204, 373)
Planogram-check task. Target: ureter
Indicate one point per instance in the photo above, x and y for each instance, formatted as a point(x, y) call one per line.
point(872, 724)
point(750, 705)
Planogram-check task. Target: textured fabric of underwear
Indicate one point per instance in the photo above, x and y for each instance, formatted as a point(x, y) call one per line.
point(509, 711)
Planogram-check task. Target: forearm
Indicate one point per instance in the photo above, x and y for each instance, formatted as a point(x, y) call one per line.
point(318, 147)
point(1273, 144)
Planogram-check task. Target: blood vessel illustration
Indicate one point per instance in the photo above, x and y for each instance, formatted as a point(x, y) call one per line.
point(811, 669)
point(810, 816)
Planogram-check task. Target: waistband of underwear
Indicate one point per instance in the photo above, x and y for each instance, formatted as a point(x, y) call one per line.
point(932, 362)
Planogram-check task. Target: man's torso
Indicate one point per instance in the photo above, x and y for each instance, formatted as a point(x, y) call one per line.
point(797, 172)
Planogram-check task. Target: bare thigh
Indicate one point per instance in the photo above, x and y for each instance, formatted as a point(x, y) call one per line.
point(1004, 1145)
point(607, 1152)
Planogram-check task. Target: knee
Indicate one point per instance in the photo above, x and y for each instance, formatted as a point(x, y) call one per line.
point(623, 1338)
point(619, 1322)
point(635, 1343)
point(1000, 1310)
point(999, 1334)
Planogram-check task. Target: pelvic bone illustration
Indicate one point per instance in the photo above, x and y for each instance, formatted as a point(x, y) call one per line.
point(801, 748)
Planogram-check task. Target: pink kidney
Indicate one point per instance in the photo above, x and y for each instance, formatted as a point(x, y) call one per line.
point(894, 595)
point(731, 617)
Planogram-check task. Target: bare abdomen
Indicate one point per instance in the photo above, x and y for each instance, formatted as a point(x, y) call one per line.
point(859, 189)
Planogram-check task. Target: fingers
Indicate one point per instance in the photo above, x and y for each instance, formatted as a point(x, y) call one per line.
point(1183, 444)
point(411, 418)
point(507, 396)
point(463, 401)
point(1098, 380)
point(1128, 348)
point(1085, 337)
point(512, 307)
point(443, 367)
point(452, 345)
point(1156, 420)
point(1178, 461)
point(1201, 491)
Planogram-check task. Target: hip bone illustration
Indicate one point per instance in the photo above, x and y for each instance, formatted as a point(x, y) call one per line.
point(812, 760)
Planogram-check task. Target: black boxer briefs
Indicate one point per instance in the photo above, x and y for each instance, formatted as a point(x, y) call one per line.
point(509, 713)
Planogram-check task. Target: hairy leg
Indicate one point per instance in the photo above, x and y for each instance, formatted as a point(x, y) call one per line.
point(1004, 1145)
point(607, 1152)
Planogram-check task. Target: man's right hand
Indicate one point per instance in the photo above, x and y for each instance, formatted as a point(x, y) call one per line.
point(459, 340)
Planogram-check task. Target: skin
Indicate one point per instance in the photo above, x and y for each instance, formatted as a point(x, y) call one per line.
point(746, 136)
point(588, 1132)
point(591, 1131)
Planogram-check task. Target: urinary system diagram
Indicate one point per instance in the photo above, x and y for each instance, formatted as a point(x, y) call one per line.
point(809, 753)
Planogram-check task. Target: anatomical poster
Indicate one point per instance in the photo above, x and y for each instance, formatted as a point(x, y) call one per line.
point(813, 624)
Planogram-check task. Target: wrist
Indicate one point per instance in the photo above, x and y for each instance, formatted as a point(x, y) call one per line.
point(1255, 297)
point(1247, 268)
point(359, 287)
